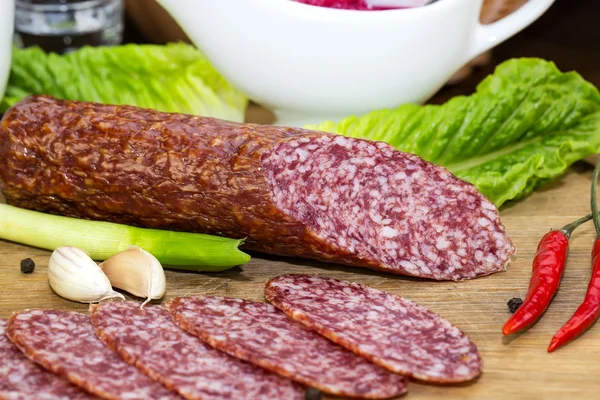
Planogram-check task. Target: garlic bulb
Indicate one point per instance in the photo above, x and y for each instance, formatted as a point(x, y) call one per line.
point(137, 272)
point(75, 276)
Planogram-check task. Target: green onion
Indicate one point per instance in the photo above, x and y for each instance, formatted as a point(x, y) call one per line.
point(180, 250)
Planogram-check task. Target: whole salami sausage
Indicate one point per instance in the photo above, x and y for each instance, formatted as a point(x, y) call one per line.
point(263, 335)
point(64, 342)
point(24, 379)
point(388, 330)
point(289, 191)
point(149, 339)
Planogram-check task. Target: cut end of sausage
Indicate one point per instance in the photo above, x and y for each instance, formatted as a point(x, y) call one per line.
point(390, 210)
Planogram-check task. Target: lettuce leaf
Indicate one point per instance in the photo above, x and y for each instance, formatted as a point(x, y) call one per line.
point(174, 78)
point(525, 125)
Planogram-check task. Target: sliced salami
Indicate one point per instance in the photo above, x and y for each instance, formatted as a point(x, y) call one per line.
point(64, 343)
point(149, 339)
point(21, 378)
point(263, 335)
point(388, 330)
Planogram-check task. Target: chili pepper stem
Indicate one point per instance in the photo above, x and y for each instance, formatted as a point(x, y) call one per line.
point(569, 228)
point(595, 213)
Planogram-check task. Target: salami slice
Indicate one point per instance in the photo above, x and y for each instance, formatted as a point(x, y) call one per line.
point(64, 343)
point(149, 339)
point(388, 330)
point(288, 191)
point(21, 378)
point(261, 334)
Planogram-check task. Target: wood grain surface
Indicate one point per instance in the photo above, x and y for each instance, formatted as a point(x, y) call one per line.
point(517, 368)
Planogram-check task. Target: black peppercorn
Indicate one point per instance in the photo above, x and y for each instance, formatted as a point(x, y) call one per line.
point(27, 266)
point(514, 303)
point(312, 394)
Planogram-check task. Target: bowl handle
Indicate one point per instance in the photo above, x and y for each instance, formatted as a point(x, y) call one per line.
point(488, 36)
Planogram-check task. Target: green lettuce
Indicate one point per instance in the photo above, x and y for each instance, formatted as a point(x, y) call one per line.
point(525, 125)
point(174, 78)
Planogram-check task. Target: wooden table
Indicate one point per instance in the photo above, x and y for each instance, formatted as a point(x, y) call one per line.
point(518, 368)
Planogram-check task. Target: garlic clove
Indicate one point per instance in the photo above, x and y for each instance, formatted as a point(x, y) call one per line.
point(137, 272)
point(73, 275)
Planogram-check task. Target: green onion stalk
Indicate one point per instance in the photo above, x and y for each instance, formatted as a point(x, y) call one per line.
point(101, 240)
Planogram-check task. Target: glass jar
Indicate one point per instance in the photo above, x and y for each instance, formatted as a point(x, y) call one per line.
point(64, 25)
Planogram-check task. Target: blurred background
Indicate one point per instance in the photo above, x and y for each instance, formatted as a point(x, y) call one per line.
point(566, 34)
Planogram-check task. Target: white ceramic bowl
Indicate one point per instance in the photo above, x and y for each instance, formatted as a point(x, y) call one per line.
point(7, 19)
point(310, 63)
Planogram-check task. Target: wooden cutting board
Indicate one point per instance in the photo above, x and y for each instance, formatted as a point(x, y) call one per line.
point(515, 368)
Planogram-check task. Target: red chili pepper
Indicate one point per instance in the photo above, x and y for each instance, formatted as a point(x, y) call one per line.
point(589, 310)
point(547, 271)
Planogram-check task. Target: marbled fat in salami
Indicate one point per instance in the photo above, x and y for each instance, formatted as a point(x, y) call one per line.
point(398, 211)
point(388, 330)
point(263, 335)
point(288, 191)
point(21, 378)
point(149, 339)
point(64, 342)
